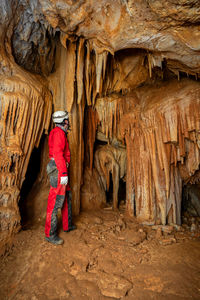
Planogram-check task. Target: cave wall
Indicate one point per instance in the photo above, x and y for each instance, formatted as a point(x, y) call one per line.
point(25, 105)
point(128, 73)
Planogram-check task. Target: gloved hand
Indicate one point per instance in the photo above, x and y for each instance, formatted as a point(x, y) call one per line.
point(64, 180)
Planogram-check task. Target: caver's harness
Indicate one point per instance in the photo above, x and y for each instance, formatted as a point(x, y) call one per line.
point(52, 172)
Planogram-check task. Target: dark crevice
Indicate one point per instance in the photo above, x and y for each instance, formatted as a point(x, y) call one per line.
point(190, 208)
point(31, 177)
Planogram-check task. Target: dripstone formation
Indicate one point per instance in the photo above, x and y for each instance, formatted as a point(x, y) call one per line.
point(128, 73)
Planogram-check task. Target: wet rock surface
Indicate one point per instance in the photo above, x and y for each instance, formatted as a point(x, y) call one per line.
point(109, 256)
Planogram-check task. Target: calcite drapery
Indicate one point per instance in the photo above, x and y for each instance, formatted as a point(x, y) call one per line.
point(25, 106)
point(25, 112)
point(161, 129)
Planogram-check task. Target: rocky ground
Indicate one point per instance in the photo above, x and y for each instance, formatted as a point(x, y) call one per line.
point(109, 256)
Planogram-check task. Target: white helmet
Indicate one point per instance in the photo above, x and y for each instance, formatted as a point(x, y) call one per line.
point(59, 116)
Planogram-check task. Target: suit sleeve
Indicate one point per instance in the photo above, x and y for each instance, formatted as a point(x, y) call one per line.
point(67, 154)
point(58, 153)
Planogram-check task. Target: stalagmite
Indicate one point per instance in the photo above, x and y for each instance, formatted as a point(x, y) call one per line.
point(110, 159)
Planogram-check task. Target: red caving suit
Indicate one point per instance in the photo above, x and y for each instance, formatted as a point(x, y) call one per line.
point(59, 195)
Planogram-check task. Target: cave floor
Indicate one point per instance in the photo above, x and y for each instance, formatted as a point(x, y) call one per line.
point(109, 256)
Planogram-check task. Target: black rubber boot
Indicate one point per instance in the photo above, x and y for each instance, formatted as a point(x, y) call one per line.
point(54, 239)
point(73, 227)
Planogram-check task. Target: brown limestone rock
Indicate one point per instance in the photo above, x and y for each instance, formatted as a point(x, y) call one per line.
point(113, 285)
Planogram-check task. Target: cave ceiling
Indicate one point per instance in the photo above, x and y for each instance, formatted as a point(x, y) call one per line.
point(169, 29)
point(128, 72)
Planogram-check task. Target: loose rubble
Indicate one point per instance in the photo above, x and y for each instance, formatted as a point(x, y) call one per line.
point(109, 256)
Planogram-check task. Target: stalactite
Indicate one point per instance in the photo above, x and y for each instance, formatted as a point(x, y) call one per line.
point(150, 66)
point(91, 133)
point(63, 39)
point(99, 67)
point(26, 109)
point(70, 75)
point(105, 54)
point(154, 60)
point(87, 74)
point(108, 112)
point(80, 69)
